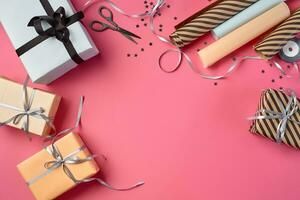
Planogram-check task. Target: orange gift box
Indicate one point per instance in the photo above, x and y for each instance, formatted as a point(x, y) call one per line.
point(12, 95)
point(46, 175)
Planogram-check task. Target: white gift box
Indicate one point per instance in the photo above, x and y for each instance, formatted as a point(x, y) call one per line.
point(49, 59)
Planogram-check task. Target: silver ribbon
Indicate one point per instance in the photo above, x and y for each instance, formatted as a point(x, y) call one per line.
point(284, 116)
point(26, 112)
point(181, 54)
point(158, 4)
point(283, 72)
point(55, 136)
point(60, 161)
point(296, 66)
point(71, 159)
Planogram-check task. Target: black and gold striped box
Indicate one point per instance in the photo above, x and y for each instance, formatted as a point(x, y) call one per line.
point(273, 101)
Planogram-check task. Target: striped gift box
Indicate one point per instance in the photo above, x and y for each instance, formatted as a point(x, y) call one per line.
point(272, 100)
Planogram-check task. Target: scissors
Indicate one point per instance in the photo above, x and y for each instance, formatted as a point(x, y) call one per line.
point(107, 14)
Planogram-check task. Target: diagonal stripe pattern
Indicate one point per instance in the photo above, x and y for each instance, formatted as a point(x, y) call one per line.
point(208, 20)
point(268, 127)
point(275, 41)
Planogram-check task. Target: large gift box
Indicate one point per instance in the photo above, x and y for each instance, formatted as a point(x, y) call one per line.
point(58, 168)
point(278, 117)
point(41, 107)
point(47, 35)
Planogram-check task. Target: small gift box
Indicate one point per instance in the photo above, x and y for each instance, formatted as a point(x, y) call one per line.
point(278, 117)
point(25, 108)
point(47, 35)
point(58, 168)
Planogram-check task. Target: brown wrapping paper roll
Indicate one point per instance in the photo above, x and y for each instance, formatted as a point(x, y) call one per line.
point(206, 20)
point(274, 42)
point(244, 34)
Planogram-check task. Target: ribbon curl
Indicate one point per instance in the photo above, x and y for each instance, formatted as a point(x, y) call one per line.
point(284, 116)
point(26, 112)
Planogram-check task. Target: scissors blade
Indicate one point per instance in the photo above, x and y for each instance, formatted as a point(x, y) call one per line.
point(129, 33)
point(129, 37)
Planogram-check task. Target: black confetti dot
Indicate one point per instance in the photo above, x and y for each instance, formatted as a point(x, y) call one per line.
point(198, 50)
point(128, 55)
point(145, 24)
point(263, 71)
point(135, 55)
point(168, 6)
point(289, 66)
point(142, 19)
point(234, 58)
point(215, 83)
point(175, 18)
point(142, 49)
point(137, 26)
point(160, 25)
point(150, 43)
point(160, 30)
point(280, 77)
point(273, 80)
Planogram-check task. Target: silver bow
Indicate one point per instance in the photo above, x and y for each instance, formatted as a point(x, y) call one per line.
point(284, 116)
point(60, 161)
point(26, 112)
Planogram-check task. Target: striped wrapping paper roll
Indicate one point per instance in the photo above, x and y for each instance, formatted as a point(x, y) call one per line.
point(208, 20)
point(275, 41)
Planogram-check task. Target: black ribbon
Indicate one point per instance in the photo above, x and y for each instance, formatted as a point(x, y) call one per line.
point(59, 23)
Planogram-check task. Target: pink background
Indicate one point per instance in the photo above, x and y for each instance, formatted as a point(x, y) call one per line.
point(186, 137)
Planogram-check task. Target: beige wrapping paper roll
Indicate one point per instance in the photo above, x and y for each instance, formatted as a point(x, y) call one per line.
point(244, 34)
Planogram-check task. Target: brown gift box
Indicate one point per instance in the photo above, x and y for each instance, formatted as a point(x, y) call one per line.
point(11, 93)
point(271, 100)
point(56, 182)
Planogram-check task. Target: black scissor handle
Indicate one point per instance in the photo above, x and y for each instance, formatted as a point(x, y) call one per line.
point(98, 26)
point(106, 13)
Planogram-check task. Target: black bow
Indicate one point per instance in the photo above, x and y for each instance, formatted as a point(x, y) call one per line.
point(58, 25)
point(58, 22)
